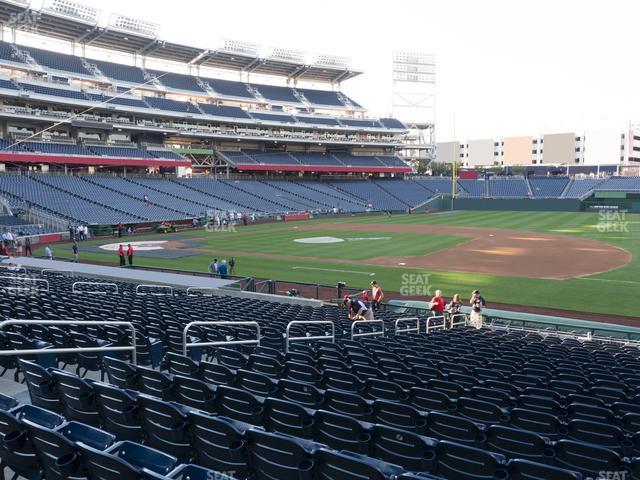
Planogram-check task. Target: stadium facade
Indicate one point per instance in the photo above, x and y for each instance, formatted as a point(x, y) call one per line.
point(100, 98)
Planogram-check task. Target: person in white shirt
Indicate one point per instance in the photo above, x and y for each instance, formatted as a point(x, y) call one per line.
point(48, 252)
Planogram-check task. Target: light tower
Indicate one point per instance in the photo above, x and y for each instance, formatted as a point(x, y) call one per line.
point(414, 101)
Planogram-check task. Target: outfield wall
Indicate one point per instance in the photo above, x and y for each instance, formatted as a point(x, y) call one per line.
point(515, 204)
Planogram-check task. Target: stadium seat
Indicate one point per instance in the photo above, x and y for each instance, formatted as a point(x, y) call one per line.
point(165, 426)
point(409, 450)
point(125, 461)
point(275, 456)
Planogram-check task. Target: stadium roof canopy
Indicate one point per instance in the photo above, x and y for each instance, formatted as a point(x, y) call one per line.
point(74, 22)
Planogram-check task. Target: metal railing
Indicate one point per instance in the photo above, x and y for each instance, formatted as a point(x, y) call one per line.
point(57, 270)
point(186, 345)
point(367, 334)
point(415, 329)
point(39, 351)
point(199, 289)
point(288, 338)
point(93, 292)
point(439, 326)
point(456, 323)
point(165, 287)
point(35, 281)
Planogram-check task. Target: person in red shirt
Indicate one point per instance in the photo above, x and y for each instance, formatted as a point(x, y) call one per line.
point(437, 304)
point(376, 295)
point(130, 254)
point(364, 296)
point(121, 255)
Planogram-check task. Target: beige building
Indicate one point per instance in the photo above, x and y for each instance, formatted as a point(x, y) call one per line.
point(448, 152)
point(480, 152)
point(561, 148)
point(516, 150)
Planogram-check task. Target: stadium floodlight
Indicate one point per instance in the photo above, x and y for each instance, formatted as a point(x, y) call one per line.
point(335, 61)
point(134, 25)
point(414, 83)
point(72, 9)
point(240, 46)
point(286, 54)
point(414, 67)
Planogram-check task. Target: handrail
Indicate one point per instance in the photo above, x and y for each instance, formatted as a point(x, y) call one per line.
point(94, 292)
point(195, 289)
point(367, 334)
point(415, 329)
point(186, 345)
point(454, 323)
point(154, 286)
point(57, 270)
point(428, 327)
point(28, 279)
point(288, 339)
point(38, 351)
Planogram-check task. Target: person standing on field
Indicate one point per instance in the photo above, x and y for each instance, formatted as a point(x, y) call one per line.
point(121, 255)
point(232, 264)
point(130, 254)
point(74, 249)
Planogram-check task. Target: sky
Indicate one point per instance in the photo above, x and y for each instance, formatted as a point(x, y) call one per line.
point(503, 67)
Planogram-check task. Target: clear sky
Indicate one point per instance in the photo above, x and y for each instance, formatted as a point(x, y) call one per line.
point(503, 67)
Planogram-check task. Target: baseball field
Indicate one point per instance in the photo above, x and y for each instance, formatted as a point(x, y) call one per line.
point(583, 262)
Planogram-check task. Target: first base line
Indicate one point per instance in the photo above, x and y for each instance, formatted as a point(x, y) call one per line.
point(334, 270)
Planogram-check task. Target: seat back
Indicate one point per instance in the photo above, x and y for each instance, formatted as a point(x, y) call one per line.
point(409, 450)
point(351, 466)
point(341, 432)
point(274, 456)
point(41, 385)
point(120, 373)
point(218, 443)
point(78, 398)
point(119, 412)
point(287, 417)
point(165, 427)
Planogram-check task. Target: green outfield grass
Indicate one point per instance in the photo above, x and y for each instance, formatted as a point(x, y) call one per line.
point(256, 250)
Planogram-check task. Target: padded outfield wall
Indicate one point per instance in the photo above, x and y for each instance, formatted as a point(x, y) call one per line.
point(515, 204)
